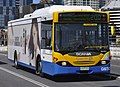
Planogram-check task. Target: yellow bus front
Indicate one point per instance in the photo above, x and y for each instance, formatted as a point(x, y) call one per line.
point(80, 43)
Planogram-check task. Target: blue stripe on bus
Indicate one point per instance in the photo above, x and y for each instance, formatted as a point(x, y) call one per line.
point(26, 65)
point(54, 69)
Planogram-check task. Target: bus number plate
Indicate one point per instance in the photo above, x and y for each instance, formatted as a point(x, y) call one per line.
point(84, 68)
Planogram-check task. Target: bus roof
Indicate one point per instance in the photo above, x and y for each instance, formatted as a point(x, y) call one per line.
point(60, 8)
point(48, 11)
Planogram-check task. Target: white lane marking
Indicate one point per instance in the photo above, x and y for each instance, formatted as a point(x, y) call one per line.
point(24, 77)
point(3, 54)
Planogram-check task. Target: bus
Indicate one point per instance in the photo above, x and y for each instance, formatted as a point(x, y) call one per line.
point(60, 40)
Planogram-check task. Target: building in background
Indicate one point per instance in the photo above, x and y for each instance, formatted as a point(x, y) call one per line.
point(113, 7)
point(25, 2)
point(14, 9)
point(27, 9)
point(19, 4)
point(3, 37)
point(103, 3)
point(51, 2)
point(9, 10)
point(93, 3)
point(58, 2)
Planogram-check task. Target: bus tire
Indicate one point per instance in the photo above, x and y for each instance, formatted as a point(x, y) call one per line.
point(15, 60)
point(39, 66)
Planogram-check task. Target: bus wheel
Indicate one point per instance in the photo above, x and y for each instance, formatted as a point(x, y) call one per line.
point(39, 66)
point(15, 60)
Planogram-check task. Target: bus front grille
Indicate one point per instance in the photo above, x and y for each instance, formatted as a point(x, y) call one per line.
point(83, 62)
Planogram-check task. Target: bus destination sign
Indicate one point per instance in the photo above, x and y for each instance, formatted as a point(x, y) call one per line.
point(88, 17)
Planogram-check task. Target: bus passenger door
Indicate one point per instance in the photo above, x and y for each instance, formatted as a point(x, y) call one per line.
point(46, 49)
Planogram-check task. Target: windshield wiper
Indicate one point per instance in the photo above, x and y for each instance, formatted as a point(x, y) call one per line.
point(99, 46)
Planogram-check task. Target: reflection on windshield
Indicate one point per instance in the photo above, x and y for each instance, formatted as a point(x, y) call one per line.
point(75, 37)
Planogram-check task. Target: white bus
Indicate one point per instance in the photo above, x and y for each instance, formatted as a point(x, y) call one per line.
point(61, 40)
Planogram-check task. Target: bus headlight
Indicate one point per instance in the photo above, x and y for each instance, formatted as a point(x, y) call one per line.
point(103, 62)
point(64, 63)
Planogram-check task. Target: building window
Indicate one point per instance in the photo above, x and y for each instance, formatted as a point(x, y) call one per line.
point(4, 2)
point(1, 2)
point(10, 2)
point(1, 10)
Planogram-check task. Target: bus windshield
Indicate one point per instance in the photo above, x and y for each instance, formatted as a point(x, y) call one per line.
point(72, 37)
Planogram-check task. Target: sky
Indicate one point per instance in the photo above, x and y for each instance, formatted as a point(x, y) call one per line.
point(36, 1)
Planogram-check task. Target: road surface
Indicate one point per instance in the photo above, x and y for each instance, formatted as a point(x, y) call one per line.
point(12, 77)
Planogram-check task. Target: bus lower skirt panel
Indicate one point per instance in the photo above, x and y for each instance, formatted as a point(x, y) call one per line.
point(55, 69)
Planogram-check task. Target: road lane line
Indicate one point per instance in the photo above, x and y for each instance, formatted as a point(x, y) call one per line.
point(3, 54)
point(24, 77)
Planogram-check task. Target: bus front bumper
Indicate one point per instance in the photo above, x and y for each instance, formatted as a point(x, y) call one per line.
point(55, 69)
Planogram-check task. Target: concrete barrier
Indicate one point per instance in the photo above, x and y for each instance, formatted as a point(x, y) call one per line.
point(3, 48)
point(115, 53)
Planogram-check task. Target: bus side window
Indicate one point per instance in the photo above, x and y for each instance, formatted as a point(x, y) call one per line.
point(43, 39)
point(46, 39)
point(46, 36)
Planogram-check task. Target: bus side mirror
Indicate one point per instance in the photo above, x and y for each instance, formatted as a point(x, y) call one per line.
point(112, 28)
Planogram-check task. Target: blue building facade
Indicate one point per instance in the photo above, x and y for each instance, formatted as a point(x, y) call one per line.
point(9, 10)
point(25, 2)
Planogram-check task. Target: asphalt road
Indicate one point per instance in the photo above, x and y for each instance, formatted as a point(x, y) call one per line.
point(12, 77)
